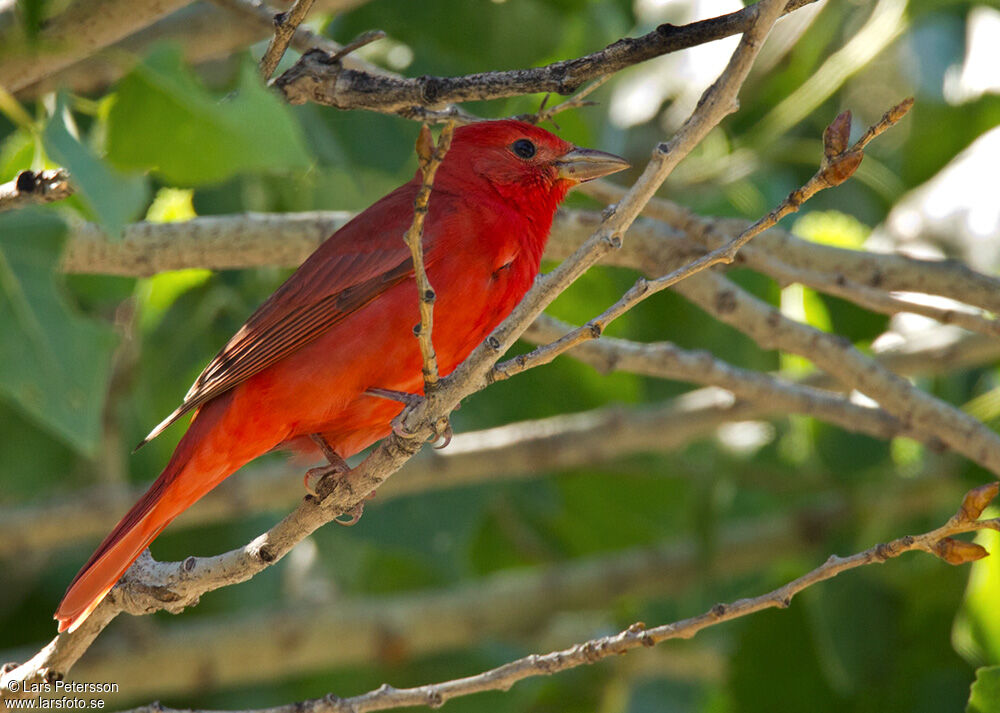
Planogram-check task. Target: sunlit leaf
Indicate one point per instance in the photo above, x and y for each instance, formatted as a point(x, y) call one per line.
point(171, 205)
point(977, 629)
point(985, 696)
point(832, 228)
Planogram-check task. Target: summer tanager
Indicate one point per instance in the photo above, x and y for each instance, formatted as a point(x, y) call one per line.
point(298, 373)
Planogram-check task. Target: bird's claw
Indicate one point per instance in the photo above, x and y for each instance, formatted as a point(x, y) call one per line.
point(440, 432)
point(445, 434)
point(354, 513)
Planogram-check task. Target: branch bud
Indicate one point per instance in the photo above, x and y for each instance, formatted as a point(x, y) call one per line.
point(842, 167)
point(976, 500)
point(836, 136)
point(425, 146)
point(957, 552)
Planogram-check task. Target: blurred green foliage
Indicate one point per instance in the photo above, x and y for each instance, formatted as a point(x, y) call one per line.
point(169, 141)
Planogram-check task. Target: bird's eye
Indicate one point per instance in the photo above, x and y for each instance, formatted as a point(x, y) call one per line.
point(523, 148)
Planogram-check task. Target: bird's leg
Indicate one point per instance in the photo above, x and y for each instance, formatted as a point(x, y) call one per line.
point(441, 431)
point(336, 466)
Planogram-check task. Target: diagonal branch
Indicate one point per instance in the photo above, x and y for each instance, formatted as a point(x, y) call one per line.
point(884, 271)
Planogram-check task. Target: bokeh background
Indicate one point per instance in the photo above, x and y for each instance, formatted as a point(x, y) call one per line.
point(154, 130)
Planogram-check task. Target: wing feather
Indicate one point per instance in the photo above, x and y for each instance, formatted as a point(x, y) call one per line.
point(353, 267)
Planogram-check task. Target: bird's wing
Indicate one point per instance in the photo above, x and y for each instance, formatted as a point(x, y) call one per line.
point(354, 266)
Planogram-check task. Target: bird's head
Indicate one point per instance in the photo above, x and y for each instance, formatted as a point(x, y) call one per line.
point(522, 162)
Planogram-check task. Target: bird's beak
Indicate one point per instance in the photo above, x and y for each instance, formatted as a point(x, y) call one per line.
point(581, 165)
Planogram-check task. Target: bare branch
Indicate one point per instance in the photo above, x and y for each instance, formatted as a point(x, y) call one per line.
point(513, 605)
point(765, 391)
point(75, 33)
point(285, 24)
point(315, 79)
point(205, 31)
point(575, 102)
point(30, 188)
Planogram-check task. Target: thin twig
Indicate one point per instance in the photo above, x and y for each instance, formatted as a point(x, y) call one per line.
point(838, 165)
point(284, 28)
point(575, 102)
point(938, 542)
point(430, 159)
point(303, 39)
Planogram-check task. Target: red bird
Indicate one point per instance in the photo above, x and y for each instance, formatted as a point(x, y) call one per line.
point(303, 364)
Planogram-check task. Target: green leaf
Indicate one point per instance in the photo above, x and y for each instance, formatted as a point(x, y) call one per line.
point(163, 120)
point(114, 198)
point(985, 696)
point(55, 362)
point(977, 628)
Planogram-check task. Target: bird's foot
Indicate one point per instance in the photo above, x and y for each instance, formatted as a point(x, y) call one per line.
point(442, 429)
point(314, 476)
point(336, 466)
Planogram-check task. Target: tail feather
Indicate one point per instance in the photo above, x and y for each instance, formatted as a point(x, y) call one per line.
point(180, 485)
point(115, 555)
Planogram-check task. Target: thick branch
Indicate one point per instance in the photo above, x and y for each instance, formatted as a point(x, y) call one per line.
point(84, 27)
point(205, 31)
point(286, 239)
point(667, 361)
point(775, 250)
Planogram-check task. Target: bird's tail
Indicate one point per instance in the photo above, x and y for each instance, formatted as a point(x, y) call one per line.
point(183, 481)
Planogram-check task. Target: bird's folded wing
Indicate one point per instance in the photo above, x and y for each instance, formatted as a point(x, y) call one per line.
point(343, 275)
